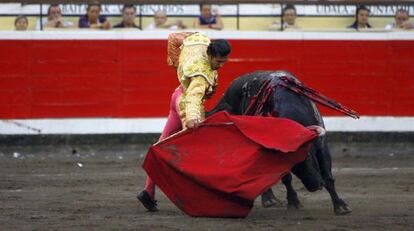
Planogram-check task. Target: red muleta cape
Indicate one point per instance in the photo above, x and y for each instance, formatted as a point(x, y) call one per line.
point(218, 169)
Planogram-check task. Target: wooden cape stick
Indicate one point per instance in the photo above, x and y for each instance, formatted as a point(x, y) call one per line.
point(185, 131)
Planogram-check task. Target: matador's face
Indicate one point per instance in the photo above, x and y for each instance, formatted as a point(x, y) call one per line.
point(216, 62)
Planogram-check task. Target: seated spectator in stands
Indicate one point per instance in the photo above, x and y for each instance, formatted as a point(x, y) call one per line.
point(128, 17)
point(160, 22)
point(54, 19)
point(401, 21)
point(208, 20)
point(93, 19)
point(21, 23)
point(288, 19)
point(361, 19)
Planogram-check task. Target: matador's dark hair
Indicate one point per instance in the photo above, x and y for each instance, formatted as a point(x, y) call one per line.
point(219, 48)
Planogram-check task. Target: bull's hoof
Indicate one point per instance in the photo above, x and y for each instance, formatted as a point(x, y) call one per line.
point(272, 202)
point(294, 204)
point(293, 201)
point(269, 200)
point(342, 208)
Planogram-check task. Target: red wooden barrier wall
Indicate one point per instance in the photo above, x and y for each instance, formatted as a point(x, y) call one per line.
point(130, 78)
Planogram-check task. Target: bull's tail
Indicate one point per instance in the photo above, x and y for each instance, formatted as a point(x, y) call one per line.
point(299, 88)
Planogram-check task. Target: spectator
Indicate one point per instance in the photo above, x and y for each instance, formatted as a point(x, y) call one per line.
point(361, 19)
point(128, 17)
point(93, 19)
point(160, 22)
point(401, 21)
point(208, 20)
point(21, 23)
point(54, 19)
point(288, 19)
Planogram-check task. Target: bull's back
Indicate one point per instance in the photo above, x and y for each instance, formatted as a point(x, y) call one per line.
point(296, 107)
point(288, 104)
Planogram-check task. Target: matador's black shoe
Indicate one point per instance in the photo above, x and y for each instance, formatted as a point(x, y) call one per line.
point(147, 201)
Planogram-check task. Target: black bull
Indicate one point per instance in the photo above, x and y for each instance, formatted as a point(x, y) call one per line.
point(280, 94)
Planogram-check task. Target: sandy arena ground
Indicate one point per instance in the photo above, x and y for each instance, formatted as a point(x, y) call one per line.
point(59, 188)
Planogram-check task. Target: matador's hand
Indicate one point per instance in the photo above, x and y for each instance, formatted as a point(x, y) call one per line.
point(318, 129)
point(193, 123)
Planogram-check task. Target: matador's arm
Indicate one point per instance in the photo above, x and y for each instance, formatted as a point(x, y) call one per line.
point(194, 96)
